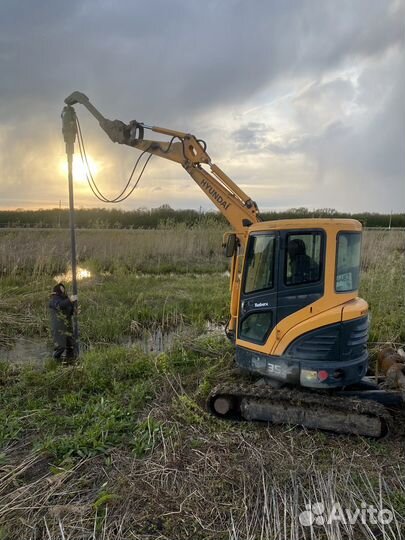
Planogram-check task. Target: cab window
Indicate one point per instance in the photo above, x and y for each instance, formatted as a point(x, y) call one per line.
point(256, 326)
point(303, 263)
point(348, 262)
point(259, 274)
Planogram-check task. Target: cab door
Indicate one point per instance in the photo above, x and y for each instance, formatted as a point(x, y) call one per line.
point(258, 297)
point(301, 274)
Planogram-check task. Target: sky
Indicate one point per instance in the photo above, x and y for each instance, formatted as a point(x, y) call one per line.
point(300, 101)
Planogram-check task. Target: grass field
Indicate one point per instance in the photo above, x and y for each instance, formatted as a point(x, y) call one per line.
point(119, 446)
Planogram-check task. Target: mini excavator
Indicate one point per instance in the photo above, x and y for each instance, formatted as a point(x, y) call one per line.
point(295, 316)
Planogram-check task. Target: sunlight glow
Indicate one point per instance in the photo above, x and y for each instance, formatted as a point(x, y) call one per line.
point(79, 168)
point(82, 273)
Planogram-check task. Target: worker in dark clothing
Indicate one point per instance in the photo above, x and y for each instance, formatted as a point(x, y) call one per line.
point(302, 267)
point(61, 309)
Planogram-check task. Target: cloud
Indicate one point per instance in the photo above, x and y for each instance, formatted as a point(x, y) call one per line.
point(199, 68)
point(252, 136)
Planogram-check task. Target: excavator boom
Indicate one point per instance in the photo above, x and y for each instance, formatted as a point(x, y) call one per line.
point(236, 206)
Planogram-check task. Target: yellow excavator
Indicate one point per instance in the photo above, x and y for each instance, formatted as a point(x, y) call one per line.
point(295, 315)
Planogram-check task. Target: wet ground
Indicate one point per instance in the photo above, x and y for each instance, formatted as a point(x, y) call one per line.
point(26, 350)
point(156, 341)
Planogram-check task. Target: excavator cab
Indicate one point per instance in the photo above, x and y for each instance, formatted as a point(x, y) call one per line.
point(299, 319)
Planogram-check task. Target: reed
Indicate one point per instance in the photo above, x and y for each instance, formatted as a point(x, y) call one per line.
point(186, 281)
point(383, 284)
point(38, 252)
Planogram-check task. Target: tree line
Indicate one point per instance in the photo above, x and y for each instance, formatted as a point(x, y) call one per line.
point(165, 217)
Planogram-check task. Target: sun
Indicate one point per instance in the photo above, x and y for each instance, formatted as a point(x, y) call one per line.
point(79, 168)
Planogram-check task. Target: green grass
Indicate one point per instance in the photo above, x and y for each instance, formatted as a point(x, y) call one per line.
point(125, 304)
point(128, 303)
point(86, 409)
point(112, 307)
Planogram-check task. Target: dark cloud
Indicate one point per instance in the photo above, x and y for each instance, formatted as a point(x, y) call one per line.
point(252, 136)
point(171, 63)
point(165, 53)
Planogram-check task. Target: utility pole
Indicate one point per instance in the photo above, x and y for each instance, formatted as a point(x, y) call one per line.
point(69, 130)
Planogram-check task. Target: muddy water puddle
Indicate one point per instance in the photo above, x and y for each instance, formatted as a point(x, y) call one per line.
point(154, 341)
point(160, 340)
point(26, 350)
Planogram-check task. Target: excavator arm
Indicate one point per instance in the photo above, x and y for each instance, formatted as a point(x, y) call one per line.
point(190, 152)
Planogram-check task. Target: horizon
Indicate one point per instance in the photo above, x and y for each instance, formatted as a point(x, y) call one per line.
point(198, 210)
point(308, 113)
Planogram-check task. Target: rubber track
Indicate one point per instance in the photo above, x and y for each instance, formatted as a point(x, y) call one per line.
point(316, 401)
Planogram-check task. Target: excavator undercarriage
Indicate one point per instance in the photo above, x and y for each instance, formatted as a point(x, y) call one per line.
point(308, 409)
point(372, 408)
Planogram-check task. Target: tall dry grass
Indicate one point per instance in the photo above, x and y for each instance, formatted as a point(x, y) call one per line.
point(382, 248)
point(383, 284)
point(38, 252)
point(226, 484)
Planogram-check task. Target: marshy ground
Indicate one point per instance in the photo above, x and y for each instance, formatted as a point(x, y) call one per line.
point(119, 445)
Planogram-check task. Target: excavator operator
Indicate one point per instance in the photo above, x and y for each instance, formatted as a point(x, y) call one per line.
point(302, 267)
